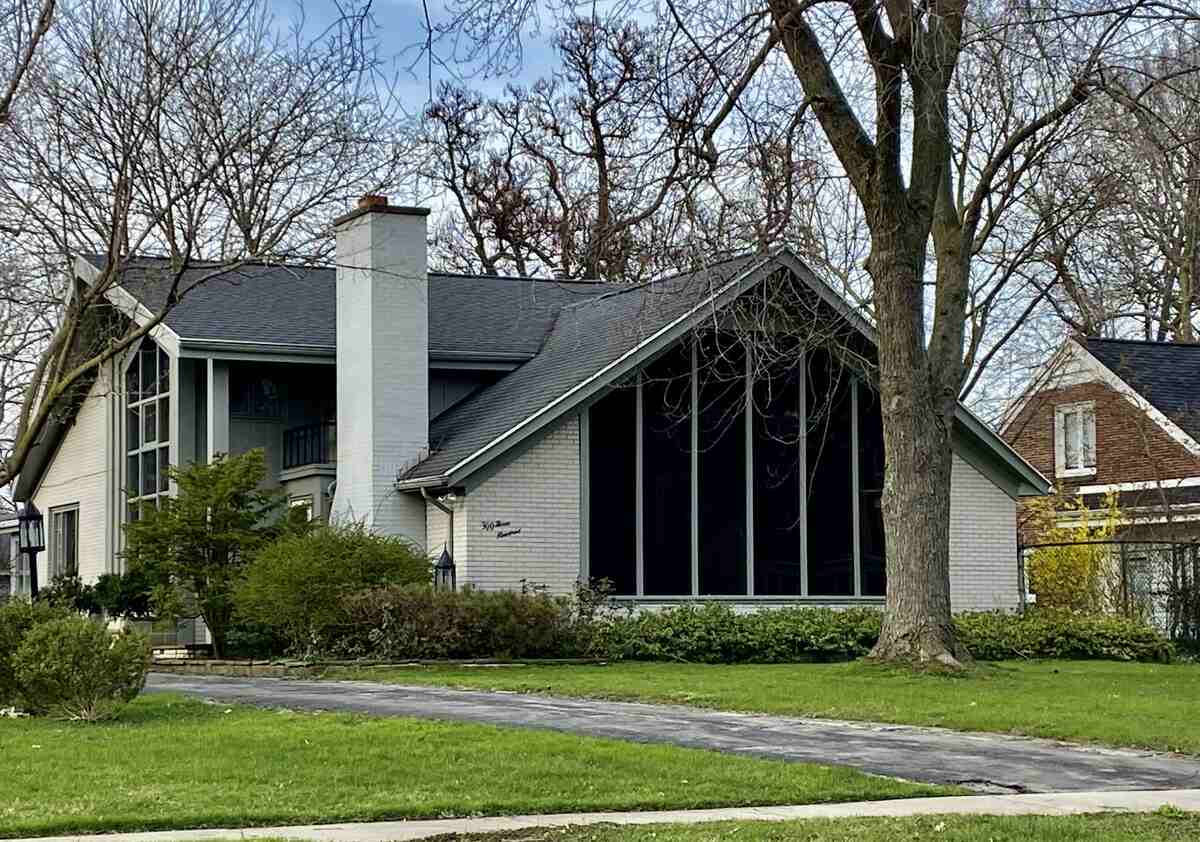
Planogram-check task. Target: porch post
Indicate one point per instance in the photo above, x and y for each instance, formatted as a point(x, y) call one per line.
point(218, 407)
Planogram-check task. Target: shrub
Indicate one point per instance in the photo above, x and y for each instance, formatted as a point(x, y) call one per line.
point(124, 595)
point(73, 667)
point(1058, 634)
point(418, 623)
point(296, 585)
point(71, 593)
point(714, 633)
point(17, 617)
point(1072, 574)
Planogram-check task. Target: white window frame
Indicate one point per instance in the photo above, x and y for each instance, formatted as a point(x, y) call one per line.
point(138, 403)
point(55, 563)
point(1087, 414)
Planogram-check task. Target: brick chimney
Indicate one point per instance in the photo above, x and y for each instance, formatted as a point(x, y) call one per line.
point(382, 363)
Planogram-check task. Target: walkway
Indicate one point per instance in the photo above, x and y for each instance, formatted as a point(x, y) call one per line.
point(988, 805)
point(987, 762)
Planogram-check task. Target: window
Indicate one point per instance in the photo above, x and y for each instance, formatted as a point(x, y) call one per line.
point(703, 481)
point(147, 427)
point(64, 542)
point(612, 477)
point(1075, 439)
point(300, 509)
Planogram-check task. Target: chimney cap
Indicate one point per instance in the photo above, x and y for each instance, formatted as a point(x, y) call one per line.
point(373, 200)
point(377, 203)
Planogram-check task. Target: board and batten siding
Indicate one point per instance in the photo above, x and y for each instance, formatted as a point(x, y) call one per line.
point(81, 473)
point(538, 493)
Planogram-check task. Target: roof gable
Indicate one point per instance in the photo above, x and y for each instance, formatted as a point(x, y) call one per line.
point(595, 343)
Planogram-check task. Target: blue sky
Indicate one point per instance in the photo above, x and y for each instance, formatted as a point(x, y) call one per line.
point(400, 30)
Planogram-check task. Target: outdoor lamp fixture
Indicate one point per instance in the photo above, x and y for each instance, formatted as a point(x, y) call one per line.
point(443, 572)
point(31, 540)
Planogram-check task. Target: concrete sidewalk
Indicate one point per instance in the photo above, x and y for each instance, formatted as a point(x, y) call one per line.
point(987, 763)
point(1061, 804)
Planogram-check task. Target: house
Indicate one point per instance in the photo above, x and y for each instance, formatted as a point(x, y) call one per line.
point(1116, 416)
point(539, 431)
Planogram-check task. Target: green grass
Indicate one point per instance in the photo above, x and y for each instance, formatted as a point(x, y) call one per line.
point(1120, 704)
point(1164, 826)
point(171, 763)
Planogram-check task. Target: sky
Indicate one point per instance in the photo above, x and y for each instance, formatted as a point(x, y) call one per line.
point(400, 30)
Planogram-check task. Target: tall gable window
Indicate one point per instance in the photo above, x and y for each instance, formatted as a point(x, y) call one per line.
point(704, 476)
point(1075, 439)
point(147, 427)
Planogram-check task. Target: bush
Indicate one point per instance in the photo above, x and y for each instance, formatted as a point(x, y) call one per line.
point(714, 633)
point(296, 585)
point(71, 593)
point(124, 595)
point(1059, 634)
point(419, 623)
point(75, 668)
point(17, 617)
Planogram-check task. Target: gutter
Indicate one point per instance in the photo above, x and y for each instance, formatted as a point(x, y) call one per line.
point(429, 498)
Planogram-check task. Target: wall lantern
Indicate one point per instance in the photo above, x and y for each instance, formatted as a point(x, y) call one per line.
point(443, 572)
point(31, 540)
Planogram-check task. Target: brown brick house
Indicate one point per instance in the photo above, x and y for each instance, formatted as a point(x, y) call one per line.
point(1108, 415)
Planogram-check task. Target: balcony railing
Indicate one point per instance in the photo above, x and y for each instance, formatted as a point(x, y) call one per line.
point(312, 444)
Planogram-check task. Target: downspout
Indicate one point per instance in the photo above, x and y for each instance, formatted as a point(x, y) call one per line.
point(429, 498)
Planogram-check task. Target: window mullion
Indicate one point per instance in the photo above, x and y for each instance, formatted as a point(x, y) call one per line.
point(695, 472)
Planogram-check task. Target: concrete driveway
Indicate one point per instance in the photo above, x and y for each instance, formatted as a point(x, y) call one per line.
point(986, 762)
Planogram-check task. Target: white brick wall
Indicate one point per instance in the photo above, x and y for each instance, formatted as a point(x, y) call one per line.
point(80, 474)
point(537, 493)
point(382, 369)
point(983, 543)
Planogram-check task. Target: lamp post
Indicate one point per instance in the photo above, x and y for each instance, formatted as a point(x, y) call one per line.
point(443, 572)
point(31, 540)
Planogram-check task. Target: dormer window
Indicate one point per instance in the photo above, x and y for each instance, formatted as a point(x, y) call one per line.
point(1075, 439)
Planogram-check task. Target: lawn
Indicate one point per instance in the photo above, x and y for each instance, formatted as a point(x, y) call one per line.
point(1164, 826)
point(171, 763)
point(1120, 704)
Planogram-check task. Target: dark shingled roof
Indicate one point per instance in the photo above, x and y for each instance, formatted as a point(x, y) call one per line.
point(587, 336)
point(296, 305)
point(1166, 374)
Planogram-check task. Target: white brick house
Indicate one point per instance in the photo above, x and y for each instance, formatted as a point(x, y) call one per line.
point(562, 431)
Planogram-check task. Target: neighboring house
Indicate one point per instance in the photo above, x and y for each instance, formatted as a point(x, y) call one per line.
point(1118, 416)
point(14, 567)
point(542, 432)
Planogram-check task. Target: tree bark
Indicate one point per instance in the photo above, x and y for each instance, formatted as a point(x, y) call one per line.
point(917, 421)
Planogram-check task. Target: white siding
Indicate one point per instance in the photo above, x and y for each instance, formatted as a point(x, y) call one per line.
point(983, 543)
point(80, 473)
point(437, 533)
point(537, 493)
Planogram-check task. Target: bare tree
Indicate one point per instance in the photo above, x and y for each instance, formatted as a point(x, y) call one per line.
point(194, 129)
point(878, 79)
point(23, 25)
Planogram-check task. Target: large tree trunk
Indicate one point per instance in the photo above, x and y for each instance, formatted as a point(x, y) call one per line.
point(917, 420)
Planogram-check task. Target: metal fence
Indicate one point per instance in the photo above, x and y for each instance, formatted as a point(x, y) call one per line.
point(1157, 582)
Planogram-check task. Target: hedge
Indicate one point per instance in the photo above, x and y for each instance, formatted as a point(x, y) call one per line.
point(409, 623)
